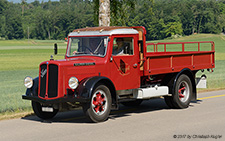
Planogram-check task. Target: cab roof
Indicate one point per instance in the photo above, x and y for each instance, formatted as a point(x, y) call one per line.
point(104, 30)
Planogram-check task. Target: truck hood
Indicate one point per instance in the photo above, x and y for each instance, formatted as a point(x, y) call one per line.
point(72, 62)
point(79, 67)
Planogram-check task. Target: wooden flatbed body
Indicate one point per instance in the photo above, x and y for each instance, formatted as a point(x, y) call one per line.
point(163, 59)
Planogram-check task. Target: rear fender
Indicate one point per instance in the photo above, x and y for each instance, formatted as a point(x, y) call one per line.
point(190, 74)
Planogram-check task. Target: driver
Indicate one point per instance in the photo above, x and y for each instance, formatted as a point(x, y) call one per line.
point(120, 48)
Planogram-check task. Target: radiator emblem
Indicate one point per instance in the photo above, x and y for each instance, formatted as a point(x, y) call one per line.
point(84, 64)
point(43, 72)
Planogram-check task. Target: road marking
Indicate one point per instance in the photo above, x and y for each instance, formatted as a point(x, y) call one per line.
point(211, 97)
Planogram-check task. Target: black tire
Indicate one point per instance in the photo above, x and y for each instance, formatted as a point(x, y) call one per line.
point(37, 108)
point(169, 81)
point(100, 106)
point(181, 96)
point(169, 102)
point(132, 103)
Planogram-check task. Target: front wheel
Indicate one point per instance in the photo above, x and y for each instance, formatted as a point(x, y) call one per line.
point(181, 96)
point(100, 106)
point(37, 108)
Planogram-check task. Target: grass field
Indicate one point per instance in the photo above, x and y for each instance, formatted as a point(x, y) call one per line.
point(19, 59)
point(22, 58)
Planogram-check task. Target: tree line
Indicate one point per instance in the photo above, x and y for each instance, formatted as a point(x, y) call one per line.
point(161, 18)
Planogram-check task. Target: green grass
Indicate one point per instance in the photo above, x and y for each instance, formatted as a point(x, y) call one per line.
point(23, 59)
point(11, 89)
point(216, 79)
point(30, 43)
point(20, 58)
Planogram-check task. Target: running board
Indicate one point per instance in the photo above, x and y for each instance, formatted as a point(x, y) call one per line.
point(147, 93)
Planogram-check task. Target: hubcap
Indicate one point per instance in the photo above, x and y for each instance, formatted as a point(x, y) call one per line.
point(183, 91)
point(99, 102)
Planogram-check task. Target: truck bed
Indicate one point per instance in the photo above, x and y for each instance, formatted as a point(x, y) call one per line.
point(174, 56)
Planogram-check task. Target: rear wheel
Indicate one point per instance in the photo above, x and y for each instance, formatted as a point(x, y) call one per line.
point(182, 94)
point(100, 106)
point(169, 101)
point(37, 108)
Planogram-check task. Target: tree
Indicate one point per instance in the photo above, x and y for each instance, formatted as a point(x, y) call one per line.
point(23, 3)
point(3, 6)
point(114, 8)
point(13, 28)
point(156, 29)
point(173, 28)
point(161, 18)
point(104, 12)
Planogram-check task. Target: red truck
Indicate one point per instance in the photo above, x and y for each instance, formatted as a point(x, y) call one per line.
point(105, 66)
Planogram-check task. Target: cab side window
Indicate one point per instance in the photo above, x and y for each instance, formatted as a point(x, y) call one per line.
point(123, 46)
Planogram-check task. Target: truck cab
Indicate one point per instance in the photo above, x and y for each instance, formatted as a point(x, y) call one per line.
point(102, 47)
point(105, 66)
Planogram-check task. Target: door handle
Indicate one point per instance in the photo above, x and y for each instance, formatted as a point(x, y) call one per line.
point(135, 65)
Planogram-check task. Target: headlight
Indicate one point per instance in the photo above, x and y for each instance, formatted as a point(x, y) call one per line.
point(73, 82)
point(28, 82)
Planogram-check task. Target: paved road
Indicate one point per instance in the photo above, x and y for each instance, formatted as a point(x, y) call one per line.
point(203, 120)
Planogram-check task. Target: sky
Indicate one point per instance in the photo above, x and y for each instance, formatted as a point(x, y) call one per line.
point(29, 1)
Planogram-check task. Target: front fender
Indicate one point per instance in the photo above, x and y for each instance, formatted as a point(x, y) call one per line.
point(33, 91)
point(87, 86)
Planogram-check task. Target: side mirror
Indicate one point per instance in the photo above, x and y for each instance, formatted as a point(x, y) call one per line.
point(55, 49)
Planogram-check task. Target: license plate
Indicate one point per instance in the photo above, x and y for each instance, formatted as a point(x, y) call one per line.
point(47, 109)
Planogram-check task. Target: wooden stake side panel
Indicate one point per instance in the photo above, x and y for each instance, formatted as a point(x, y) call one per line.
point(175, 62)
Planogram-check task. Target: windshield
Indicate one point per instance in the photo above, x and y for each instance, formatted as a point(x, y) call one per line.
point(87, 46)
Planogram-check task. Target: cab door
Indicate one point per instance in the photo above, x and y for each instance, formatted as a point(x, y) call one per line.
point(125, 69)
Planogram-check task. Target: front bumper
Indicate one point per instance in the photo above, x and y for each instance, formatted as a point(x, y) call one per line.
point(58, 100)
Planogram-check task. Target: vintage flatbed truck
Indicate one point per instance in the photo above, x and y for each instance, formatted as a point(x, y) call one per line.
point(105, 66)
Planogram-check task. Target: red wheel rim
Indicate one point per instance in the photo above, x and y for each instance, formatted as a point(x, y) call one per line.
point(183, 91)
point(99, 102)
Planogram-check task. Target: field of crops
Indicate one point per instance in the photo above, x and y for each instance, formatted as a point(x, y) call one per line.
point(22, 58)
